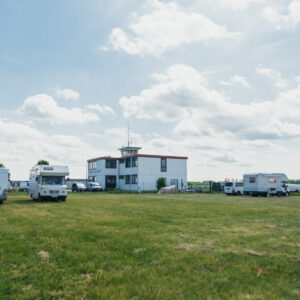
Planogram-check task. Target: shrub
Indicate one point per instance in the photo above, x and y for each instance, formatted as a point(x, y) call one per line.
point(160, 182)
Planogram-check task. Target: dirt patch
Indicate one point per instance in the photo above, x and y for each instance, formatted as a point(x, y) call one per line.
point(44, 255)
point(86, 276)
point(252, 252)
point(187, 247)
point(139, 250)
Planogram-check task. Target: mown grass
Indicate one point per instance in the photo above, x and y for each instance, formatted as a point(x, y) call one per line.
point(129, 246)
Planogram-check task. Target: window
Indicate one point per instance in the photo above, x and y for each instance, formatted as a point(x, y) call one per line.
point(128, 162)
point(134, 162)
point(239, 184)
point(121, 161)
point(121, 177)
point(272, 180)
point(110, 164)
point(127, 179)
point(228, 184)
point(110, 182)
point(252, 179)
point(92, 179)
point(134, 179)
point(163, 165)
point(92, 165)
point(53, 180)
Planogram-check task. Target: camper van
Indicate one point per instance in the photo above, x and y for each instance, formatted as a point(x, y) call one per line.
point(233, 188)
point(48, 182)
point(266, 184)
point(3, 184)
point(24, 186)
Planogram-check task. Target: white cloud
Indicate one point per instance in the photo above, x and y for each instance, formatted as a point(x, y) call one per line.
point(238, 4)
point(104, 48)
point(288, 20)
point(103, 110)
point(182, 95)
point(67, 94)
point(273, 75)
point(22, 146)
point(165, 26)
point(43, 107)
point(236, 79)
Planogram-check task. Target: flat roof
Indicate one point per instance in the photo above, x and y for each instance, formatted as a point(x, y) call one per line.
point(137, 155)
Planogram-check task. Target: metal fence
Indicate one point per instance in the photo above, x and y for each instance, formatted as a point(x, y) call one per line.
point(206, 187)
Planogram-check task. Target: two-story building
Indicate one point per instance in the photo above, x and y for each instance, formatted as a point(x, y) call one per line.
point(137, 172)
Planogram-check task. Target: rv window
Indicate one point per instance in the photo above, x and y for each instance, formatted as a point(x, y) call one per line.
point(239, 184)
point(51, 180)
point(252, 179)
point(37, 179)
point(228, 184)
point(272, 180)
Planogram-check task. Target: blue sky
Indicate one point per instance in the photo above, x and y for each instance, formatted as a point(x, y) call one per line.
point(218, 83)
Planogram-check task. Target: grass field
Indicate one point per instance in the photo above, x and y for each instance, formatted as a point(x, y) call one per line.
point(129, 246)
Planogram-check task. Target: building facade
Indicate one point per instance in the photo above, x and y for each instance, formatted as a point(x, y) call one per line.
point(137, 172)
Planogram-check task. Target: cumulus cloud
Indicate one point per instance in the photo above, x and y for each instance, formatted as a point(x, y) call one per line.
point(284, 20)
point(43, 107)
point(23, 145)
point(103, 110)
point(274, 75)
point(182, 95)
point(165, 26)
point(239, 4)
point(67, 94)
point(236, 79)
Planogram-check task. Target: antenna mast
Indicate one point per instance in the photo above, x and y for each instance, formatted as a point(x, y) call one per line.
point(128, 133)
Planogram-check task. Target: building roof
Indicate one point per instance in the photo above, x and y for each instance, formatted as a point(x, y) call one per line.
point(137, 155)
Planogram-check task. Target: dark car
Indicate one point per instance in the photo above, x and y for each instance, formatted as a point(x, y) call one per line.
point(78, 187)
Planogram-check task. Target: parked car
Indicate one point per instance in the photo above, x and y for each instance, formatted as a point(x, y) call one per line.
point(24, 186)
point(78, 187)
point(3, 184)
point(94, 187)
point(233, 188)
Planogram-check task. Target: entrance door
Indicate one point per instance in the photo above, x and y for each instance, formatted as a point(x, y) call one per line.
point(174, 182)
point(110, 182)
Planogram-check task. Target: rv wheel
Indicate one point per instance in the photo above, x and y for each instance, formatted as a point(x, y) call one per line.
point(238, 193)
point(287, 194)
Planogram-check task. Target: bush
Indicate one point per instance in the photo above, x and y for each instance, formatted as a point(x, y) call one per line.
point(160, 182)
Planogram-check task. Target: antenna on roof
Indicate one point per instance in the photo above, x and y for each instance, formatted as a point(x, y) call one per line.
point(128, 133)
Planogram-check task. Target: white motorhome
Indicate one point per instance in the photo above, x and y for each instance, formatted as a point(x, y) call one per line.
point(262, 184)
point(3, 184)
point(48, 182)
point(233, 188)
point(24, 186)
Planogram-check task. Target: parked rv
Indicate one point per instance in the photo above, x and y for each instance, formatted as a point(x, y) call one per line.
point(3, 184)
point(48, 182)
point(261, 184)
point(294, 187)
point(78, 187)
point(24, 186)
point(233, 188)
point(94, 187)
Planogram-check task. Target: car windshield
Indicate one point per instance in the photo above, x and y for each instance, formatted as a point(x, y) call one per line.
point(53, 180)
point(95, 184)
point(81, 185)
point(228, 184)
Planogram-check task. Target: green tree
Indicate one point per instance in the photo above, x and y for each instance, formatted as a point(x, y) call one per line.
point(160, 182)
point(43, 163)
point(2, 165)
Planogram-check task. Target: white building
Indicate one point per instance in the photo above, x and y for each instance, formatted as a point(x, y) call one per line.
point(137, 172)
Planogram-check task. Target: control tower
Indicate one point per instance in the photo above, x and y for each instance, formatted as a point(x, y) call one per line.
point(128, 151)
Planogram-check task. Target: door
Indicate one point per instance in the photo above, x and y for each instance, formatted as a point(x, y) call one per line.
point(110, 182)
point(175, 182)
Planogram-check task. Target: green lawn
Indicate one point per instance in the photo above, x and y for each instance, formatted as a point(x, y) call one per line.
point(129, 246)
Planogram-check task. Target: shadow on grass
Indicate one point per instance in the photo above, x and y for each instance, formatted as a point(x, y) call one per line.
point(30, 202)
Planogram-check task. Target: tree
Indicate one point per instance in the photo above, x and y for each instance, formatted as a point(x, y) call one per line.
point(43, 163)
point(160, 182)
point(2, 165)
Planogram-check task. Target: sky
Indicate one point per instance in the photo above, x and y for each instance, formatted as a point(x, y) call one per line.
point(217, 83)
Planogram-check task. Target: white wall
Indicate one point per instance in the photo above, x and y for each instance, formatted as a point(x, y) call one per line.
point(148, 171)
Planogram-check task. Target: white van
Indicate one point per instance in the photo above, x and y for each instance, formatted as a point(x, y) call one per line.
point(24, 186)
point(262, 184)
point(233, 188)
point(48, 182)
point(3, 184)
point(294, 187)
